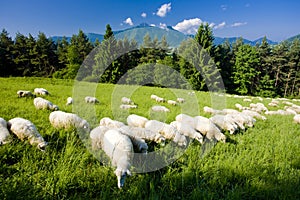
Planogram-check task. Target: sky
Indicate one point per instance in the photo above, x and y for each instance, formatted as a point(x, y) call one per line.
point(250, 19)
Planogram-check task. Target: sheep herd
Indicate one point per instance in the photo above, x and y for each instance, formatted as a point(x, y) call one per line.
point(121, 140)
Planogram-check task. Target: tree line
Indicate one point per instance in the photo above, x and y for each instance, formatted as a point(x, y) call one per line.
point(261, 70)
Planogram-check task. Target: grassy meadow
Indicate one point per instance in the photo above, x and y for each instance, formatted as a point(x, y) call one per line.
point(262, 162)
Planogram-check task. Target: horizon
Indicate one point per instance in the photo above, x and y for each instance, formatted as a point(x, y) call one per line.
point(248, 19)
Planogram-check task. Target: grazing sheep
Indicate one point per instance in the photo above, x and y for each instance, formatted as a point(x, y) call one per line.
point(41, 91)
point(136, 121)
point(168, 131)
point(97, 135)
point(180, 100)
point(160, 109)
point(254, 114)
point(26, 130)
point(125, 106)
point(69, 101)
point(187, 130)
point(60, 119)
point(224, 123)
point(118, 147)
point(297, 119)
point(191, 93)
point(126, 100)
point(160, 100)
point(229, 111)
point(207, 128)
point(172, 102)
point(186, 119)
point(43, 104)
point(89, 99)
point(5, 137)
point(25, 93)
point(247, 100)
point(272, 104)
point(106, 121)
point(153, 96)
point(258, 107)
point(210, 110)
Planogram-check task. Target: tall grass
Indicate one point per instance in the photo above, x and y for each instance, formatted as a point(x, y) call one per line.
point(262, 162)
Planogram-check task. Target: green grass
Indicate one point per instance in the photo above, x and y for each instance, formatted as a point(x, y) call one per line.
point(262, 162)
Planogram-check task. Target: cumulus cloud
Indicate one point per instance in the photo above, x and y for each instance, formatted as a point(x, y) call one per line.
point(220, 26)
point(128, 21)
point(163, 10)
point(188, 26)
point(237, 24)
point(144, 15)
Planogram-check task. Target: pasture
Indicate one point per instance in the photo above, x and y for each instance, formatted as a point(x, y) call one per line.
point(262, 162)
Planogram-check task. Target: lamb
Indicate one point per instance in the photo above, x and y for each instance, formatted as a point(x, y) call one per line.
point(187, 130)
point(106, 121)
point(26, 130)
point(180, 100)
point(136, 121)
point(160, 109)
point(168, 131)
point(42, 104)
point(118, 147)
point(69, 101)
point(25, 93)
point(41, 91)
point(126, 100)
point(125, 106)
point(5, 136)
point(224, 123)
point(208, 129)
point(172, 102)
point(60, 119)
point(89, 99)
point(297, 119)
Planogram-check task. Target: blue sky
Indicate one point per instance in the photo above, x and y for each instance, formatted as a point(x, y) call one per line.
point(251, 19)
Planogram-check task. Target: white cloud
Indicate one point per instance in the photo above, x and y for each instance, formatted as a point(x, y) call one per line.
point(144, 15)
point(237, 24)
point(163, 26)
point(163, 10)
point(153, 25)
point(128, 21)
point(224, 7)
point(188, 26)
point(220, 26)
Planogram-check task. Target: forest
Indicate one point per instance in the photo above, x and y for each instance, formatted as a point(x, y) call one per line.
point(261, 70)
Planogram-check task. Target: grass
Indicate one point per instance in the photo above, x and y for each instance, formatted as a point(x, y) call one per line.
point(262, 162)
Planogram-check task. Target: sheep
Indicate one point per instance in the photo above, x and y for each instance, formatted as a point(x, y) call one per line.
point(272, 104)
point(60, 119)
point(160, 109)
point(153, 96)
point(41, 91)
point(143, 133)
point(96, 136)
point(136, 121)
point(191, 93)
point(207, 128)
point(247, 100)
point(106, 121)
point(210, 110)
point(240, 107)
point(168, 131)
point(126, 100)
point(254, 114)
point(125, 106)
point(42, 104)
point(25, 93)
point(186, 119)
point(69, 101)
point(180, 100)
point(297, 119)
point(172, 102)
point(5, 136)
point(229, 111)
point(26, 130)
point(89, 99)
point(118, 147)
point(258, 107)
point(160, 99)
point(187, 130)
point(224, 123)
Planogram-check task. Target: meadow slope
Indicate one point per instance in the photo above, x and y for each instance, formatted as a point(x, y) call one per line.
point(262, 162)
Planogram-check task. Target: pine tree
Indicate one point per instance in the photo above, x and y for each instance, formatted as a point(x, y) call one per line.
point(108, 32)
point(6, 56)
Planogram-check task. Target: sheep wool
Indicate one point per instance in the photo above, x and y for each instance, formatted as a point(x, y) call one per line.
point(297, 119)
point(136, 121)
point(43, 104)
point(24, 93)
point(93, 100)
point(26, 130)
point(5, 136)
point(187, 130)
point(106, 121)
point(41, 91)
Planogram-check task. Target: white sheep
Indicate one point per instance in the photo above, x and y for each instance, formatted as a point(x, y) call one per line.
point(247, 100)
point(258, 107)
point(254, 114)
point(229, 111)
point(106, 121)
point(89, 99)
point(69, 101)
point(210, 110)
point(118, 147)
point(126, 106)
point(187, 130)
point(186, 119)
point(126, 100)
point(43, 104)
point(136, 121)
point(168, 131)
point(24, 93)
point(5, 136)
point(224, 123)
point(153, 96)
point(26, 130)
point(160, 109)
point(297, 119)
point(207, 128)
point(41, 91)
point(172, 102)
point(60, 119)
point(160, 99)
point(180, 100)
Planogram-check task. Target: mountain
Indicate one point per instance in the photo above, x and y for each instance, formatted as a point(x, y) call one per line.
point(220, 40)
point(292, 38)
